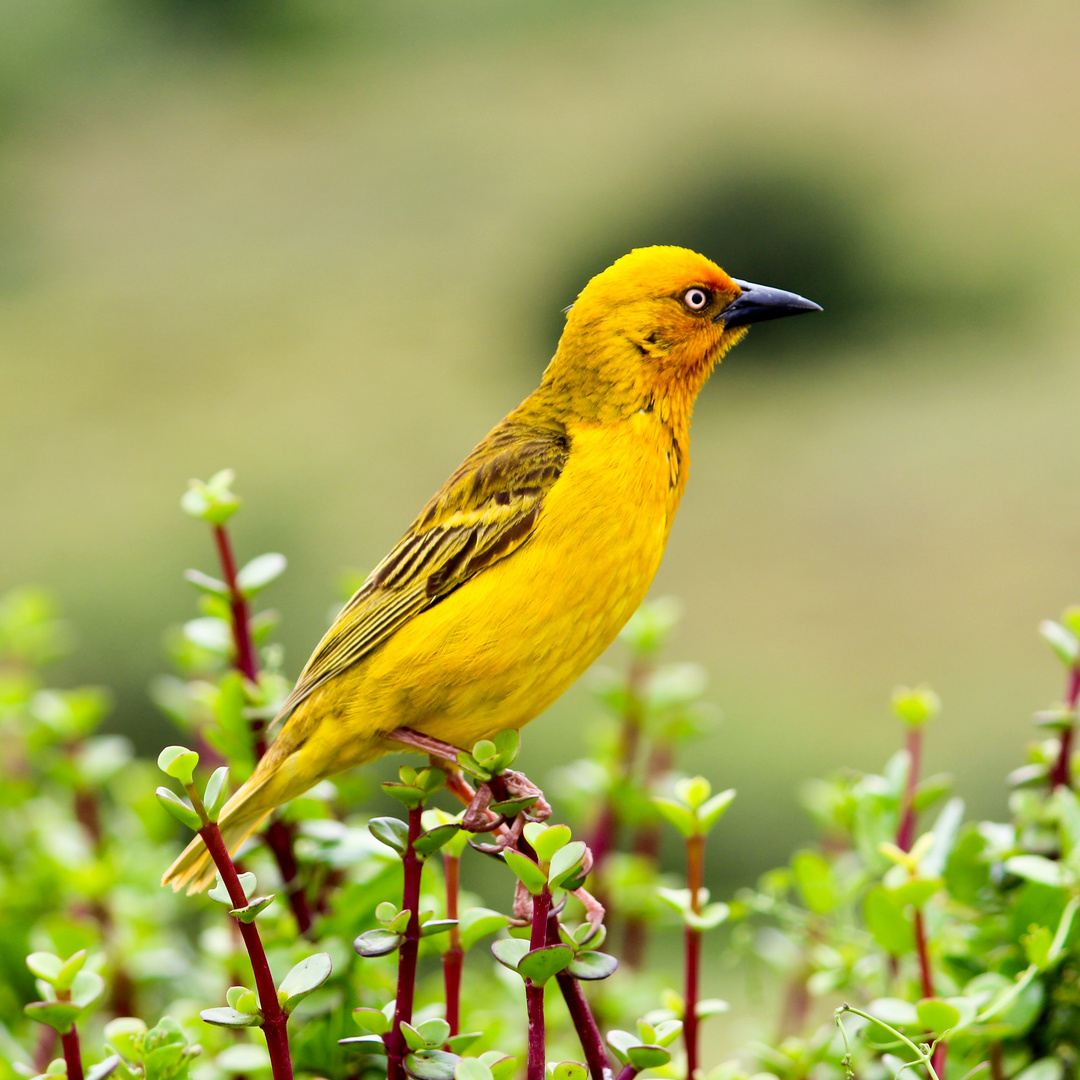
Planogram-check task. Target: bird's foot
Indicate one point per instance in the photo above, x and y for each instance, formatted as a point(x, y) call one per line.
point(519, 786)
point(594, 912)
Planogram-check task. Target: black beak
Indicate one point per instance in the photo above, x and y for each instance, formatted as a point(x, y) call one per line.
point(759, 303)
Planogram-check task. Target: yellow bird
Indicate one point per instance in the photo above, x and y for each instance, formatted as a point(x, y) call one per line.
point(531, 557)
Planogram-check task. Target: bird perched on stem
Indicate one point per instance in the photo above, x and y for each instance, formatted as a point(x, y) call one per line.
point(527, 562)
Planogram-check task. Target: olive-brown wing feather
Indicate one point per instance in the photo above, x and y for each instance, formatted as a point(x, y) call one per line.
point(482, 514)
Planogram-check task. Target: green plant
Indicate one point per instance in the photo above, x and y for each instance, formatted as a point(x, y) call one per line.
point(952, 950)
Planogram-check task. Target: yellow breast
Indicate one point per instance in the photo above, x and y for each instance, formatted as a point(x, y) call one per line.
point(499, 650)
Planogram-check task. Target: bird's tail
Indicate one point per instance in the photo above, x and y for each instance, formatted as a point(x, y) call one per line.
point(245, 811)
point(195, 869)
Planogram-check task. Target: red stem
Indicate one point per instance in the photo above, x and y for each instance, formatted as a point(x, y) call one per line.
point(604, 832)
point(695, 879)
point(245, 660)
point(592, 1042)
point(406, 984)
point(925, 973)
point(274, 1019)
point(72, 1055)
point(628, 1073)
point(905, 833)
point(279, 840)
point(454, 957)
point(1061, 775)
point(43, 1052)
point(534, 993)
point(278, 836)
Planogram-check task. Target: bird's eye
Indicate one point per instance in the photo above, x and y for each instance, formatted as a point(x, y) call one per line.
point(696, 299)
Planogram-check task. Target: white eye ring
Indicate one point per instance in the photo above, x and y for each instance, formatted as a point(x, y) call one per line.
point(696, 299)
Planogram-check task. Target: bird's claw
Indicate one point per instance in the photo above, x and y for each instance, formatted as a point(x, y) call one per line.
point(594, 912)
point(519, 786)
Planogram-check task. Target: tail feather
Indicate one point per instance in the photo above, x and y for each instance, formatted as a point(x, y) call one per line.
point(195, 869)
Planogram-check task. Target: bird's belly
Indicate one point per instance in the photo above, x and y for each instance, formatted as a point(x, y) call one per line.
point(505, 645)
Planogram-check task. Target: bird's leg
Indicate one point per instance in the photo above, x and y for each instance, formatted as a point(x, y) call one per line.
point(444, 756)
point(519, 786)
point(594, 911)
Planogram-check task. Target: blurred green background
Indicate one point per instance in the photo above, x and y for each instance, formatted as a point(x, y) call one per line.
point(327, 244)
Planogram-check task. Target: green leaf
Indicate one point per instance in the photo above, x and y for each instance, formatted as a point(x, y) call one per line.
point(1065, 644)
point(65, 977)
point(894, 1011)
point(366, 1044)
point(432, 1065)
point(226, 1017)
point(915, 892)
point(45, 965)
point(305, 977)
point(373, 1020)
point(546, 842)
point(540, 964)
point(434, 1032)
point(478, 922)
point(648, 1057)
point(710, 812)
point(205, 583)
point(179, 808)
point(103, 1068)
point(592, 965)
point(178, 762)
point(915, 707)
point(704, 1008)
point(221, 894)
point(59, 1015)
point(944, 831)
point(125, 1033)
point(1047, 1068)
point(814, 877)
point(888, 921)
point(413, 1039)
point(1036, 868)
point(710, 916)
point(217, 792)
point(621, 1042)
point(512, 807)
point(457, 1043)
point(393, 832)
point(428, 842)
point(565, 862)
point(937, 1015)
point(568, 1070)
point(678, 815)
point(508, 745)
point(967, 872)
point(253, 908)
point(437, 926)
point(243, 1058)
point(501, 1065)
point(260, 572)
point(86, 989)
point(214, 635)
point(526, 871)
point(377, 942)
point(472, 1069)
point(693, 791)
point(509, 951)
point(484, 753)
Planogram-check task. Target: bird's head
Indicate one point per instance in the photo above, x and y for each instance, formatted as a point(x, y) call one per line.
point(659, 318)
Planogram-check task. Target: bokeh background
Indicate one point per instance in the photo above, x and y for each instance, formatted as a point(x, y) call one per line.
point(327, 244)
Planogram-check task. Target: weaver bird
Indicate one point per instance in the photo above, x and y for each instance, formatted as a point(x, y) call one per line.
point(531, 557)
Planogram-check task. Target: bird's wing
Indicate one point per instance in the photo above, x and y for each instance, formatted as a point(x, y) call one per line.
point(482, 514)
